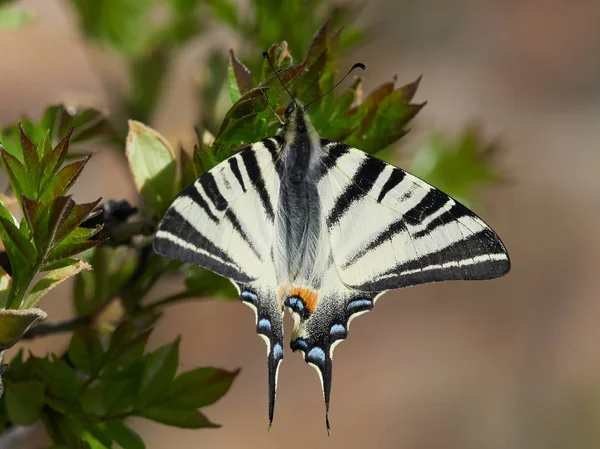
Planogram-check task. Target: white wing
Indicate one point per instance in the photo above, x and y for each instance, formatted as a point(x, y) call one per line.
point(224, 221)
point(389, 229)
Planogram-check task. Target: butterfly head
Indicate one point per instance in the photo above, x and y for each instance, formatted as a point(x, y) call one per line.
point(297, 123)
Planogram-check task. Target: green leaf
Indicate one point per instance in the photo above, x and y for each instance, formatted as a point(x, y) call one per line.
point(205, 283)
point(199, 387)
point(51, 280)
point(77, 215)
point(12, 18)
point(63, 180)
point(159, 372)
point(14, 323)
point(76, 242)
point(124, 435)
point(60, 379)
point(24, 401)
point(53, 158)
point(20, 181)
point(232, 84)
point(5, 285)
point(152, 162)
point(85, 351)
point(30, 156)
point(239, 78)
point(458, 166)
point(16, 237)
point(185, 419)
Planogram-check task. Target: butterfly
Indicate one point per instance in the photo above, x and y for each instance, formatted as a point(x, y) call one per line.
point(322, 229)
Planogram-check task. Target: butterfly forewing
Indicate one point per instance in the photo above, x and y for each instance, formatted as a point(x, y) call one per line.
point(389, 229)
point(224, 221)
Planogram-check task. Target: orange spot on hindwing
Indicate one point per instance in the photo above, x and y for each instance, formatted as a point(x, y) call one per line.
point(291, 294)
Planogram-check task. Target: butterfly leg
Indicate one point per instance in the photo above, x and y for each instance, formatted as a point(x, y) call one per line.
point(269, 326)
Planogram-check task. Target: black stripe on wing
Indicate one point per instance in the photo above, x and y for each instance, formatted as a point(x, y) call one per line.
point(235, 169)
point(194, 247)
point(395, 178)
point(256, 177)
point(193, 193)
point(479, 256)
point(362, 182)
point(334, 150)
point(209, 184)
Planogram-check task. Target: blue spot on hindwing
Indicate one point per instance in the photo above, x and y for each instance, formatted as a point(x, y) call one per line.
point(277, 351)
point(358, 305)
point(337, 331)
point(299, 344)
point(316, 354)
point(249, 296)
point(264, 325)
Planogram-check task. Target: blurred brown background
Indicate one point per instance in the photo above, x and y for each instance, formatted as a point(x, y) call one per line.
point(509, 363)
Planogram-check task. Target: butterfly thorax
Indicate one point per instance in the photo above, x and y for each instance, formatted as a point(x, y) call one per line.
point(299, 224)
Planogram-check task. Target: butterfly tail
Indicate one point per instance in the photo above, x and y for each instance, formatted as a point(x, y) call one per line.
point(269, 326)
point(319, 334)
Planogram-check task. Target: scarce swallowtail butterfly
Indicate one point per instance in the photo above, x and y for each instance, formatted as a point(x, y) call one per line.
point(300, 222)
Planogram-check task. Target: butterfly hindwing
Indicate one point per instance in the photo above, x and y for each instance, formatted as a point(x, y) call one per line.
point(389, 229)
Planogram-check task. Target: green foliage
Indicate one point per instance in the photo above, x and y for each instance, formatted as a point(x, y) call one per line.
point(49, 232)
point(105, 379)
point(85, 395)
point(459, 166)
point(12, 18)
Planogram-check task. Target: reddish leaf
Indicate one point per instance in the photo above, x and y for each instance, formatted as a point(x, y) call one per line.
point(63, 180)
point(23, 245)
point(77, 215)
point(30, 154)
point(243, 75)
point(32, 210)
point(54, 159)
point(76, 242)
point(20, 181)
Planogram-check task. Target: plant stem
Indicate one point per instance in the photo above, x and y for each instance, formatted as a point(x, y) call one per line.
point(177, 297)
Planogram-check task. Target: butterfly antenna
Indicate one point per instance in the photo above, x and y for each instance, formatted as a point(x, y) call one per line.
point(266, 56)
point(358, 65)
point(264, 92)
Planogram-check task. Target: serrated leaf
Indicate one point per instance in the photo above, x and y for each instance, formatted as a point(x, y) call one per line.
point(232, 83)
point(124, 435)
point(30, 157)
point(199, 388)
point(51, 280)
point(77, 215)
point(152, 162)
point(76, 242)
point(14, 324)
point(241, 74)
point(185, 419)
point(24, 401)
point(31, 210)
point(85, 351)
point(20, 181)
point(62, 181)
point(54, 158)
point(13, 236)
point(159, 372)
